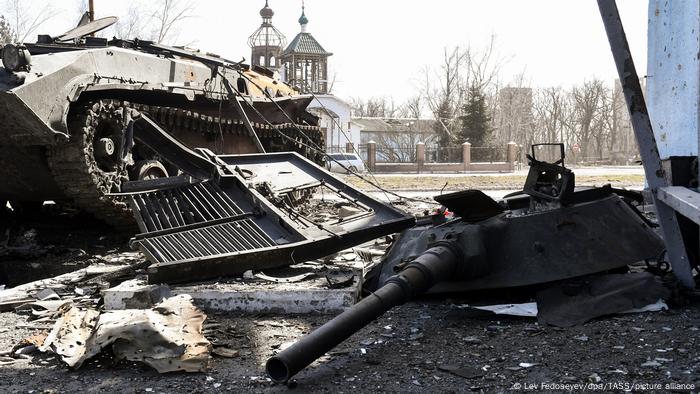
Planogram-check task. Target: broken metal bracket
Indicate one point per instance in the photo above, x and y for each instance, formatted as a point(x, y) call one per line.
point(683, 200)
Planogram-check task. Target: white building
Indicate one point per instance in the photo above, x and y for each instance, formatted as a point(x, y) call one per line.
point(335, 121)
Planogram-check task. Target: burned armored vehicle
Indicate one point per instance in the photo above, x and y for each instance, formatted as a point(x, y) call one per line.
point(67, 105)
point(548, 232)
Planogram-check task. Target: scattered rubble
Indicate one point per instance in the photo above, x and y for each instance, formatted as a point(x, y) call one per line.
point(168, 337)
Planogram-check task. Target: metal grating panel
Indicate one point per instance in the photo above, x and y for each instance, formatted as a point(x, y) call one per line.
point(220, 239)
point(193, 203)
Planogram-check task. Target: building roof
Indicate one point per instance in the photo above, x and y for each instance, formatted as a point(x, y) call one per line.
point(395, 125)
point(306, 44)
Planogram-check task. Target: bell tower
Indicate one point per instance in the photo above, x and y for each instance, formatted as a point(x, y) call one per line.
point(306, 62)
point(267, 42)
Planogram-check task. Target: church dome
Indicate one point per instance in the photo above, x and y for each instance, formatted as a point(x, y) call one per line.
point(266, 12)
point(303, 20)
point(267, 35)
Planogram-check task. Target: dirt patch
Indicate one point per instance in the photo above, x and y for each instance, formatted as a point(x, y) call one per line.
point(485, 182)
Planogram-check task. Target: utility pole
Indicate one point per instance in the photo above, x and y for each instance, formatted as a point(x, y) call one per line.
point(91, 10)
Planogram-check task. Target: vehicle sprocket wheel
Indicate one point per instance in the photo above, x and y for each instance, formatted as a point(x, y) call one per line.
point(90, 165)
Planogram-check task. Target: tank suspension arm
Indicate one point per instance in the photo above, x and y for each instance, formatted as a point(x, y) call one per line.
point(434, 265)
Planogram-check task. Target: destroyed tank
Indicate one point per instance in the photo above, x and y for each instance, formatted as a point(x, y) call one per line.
point(67, 103)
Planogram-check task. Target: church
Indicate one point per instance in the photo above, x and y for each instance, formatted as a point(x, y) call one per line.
point(303, 64)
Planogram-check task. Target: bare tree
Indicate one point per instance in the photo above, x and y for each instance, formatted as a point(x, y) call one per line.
point(445, 89)
point(412, 108)
point(398, 144)
point(441, 87)
point(5, 31)
point(133, 24)
point(551, 111)
point(25, 17)
point(168, 15)
point(357, 106)
point(483, 66)
point(441, 91)
point(588, 100)
point(375, 107)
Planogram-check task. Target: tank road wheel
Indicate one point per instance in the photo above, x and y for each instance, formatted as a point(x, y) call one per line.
point(148, 169)
point(90, 165)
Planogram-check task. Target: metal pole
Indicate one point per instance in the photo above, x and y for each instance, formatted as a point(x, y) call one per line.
point(651, 160)
point(91, 10)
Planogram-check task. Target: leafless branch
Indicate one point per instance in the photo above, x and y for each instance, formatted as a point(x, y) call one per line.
point(168, 15)
point(26, 18)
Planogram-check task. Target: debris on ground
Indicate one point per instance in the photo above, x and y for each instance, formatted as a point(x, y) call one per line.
point(168, 337)
point(26, 293)
point(467, 372)
point(578, 301)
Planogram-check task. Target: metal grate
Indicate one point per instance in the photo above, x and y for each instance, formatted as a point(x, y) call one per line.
point(219, 239)
point(189, 204)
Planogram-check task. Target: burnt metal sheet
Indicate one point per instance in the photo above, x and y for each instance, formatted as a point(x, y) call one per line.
point(250, 216)
point(470, 205)
point(577, 301)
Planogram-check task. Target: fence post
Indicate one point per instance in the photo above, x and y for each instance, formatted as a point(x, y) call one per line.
point(511, 155)
point(372, 155)
point(349, 148)
point(420, 156)
point(466, 155)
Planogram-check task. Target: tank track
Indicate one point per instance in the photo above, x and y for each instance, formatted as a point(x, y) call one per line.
point(82, 181)
point(299, 138)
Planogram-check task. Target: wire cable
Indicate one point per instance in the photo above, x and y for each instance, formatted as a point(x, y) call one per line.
point(348, 139)
point(318, 149)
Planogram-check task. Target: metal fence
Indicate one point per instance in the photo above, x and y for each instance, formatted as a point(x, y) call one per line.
point(449, 154)
point(488, 154)
point(444, 154)
point(401, 154)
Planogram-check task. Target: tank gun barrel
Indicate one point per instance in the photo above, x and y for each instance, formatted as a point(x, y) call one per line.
point(436, 264)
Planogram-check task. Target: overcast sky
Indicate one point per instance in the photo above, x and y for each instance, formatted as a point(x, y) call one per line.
point(380, 47)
